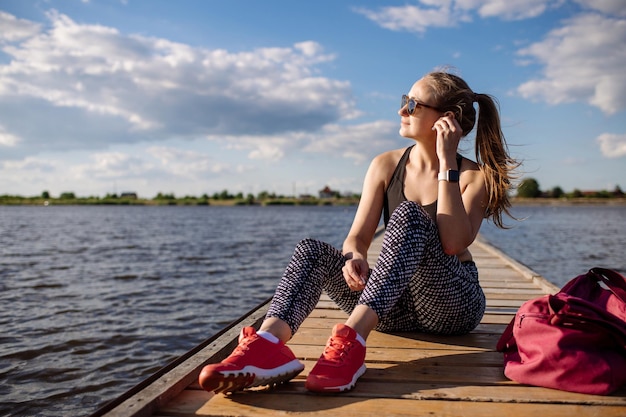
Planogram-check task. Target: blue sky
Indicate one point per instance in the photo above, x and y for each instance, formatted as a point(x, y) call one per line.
point(194, 97)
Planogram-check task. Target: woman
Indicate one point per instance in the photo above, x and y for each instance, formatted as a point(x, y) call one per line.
point(433, 202)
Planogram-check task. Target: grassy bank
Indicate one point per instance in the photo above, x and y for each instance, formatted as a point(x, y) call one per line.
point(186, 201)
point(8, 200)
point(568, 201)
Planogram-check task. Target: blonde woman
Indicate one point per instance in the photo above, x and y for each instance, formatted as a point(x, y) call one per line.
point(433, 202)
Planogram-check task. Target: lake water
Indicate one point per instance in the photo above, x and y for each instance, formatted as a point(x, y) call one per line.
point(562, 242)
point(95, 299)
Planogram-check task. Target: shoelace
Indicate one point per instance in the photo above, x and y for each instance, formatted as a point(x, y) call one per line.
point(242, 347)
point(337, 350)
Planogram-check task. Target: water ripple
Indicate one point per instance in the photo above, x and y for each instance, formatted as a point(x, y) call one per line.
point(95, 299)
point(563, 242)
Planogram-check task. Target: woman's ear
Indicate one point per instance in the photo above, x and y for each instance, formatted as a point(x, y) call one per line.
point(451, 114)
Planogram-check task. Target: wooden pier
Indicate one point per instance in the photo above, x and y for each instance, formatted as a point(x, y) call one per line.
point(409, 374)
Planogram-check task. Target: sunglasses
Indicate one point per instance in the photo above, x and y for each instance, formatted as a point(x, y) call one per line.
point(414, 105)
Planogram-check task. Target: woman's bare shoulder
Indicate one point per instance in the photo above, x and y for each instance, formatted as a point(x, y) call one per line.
point(382, 167)
point(389, 159)
point(471, 173)
point(469, 165)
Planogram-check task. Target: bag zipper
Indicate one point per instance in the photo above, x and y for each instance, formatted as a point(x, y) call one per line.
point(532, 315)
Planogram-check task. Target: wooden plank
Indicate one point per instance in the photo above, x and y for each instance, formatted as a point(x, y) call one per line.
point(401, 373)
point(497, 302)
point(505, 392)
point(451, 404)
point(435, 357)
point(499, 285)
point(523, 293)
point(376, 384)
point(318, 336)
point(326, 323)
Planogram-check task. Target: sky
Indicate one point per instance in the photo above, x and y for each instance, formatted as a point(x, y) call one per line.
point(193, 97)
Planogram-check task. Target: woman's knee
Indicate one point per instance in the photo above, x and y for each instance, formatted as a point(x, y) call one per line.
point(461, 320)
point(309, 246)
point(314, 255)
point(409, 212)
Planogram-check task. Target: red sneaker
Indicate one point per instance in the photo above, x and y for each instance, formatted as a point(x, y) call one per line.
point(341, 364)
point(255, 361)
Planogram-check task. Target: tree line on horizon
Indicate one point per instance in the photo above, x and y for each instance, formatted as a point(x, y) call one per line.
point(223, 197)
point(529, 188)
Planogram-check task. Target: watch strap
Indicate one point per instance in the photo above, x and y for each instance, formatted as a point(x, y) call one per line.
point(451, 175)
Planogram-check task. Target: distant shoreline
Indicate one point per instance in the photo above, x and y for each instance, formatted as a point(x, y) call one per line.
point(568, 201)
point(284, 202)
point(176, 202)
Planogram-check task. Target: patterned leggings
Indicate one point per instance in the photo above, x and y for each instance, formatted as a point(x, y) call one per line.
point(414, 285)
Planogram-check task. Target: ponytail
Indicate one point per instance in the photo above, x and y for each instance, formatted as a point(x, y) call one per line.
point(453, 94)
point(493, 159)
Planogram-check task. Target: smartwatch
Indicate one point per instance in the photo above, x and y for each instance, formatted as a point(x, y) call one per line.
point(450, 175)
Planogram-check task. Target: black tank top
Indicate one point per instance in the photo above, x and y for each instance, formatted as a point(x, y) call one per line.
point(394, 194)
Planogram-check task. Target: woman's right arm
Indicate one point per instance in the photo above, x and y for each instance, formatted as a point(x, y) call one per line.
point(365, 222)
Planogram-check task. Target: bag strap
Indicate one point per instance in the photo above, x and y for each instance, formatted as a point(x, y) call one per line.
point(615, 281)
point(506, 341)
point(577, 314)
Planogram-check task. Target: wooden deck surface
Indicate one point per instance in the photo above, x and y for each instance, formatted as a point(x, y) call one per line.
point(409, 374)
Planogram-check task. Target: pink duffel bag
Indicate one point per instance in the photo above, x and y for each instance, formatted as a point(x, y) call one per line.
point(574, 340)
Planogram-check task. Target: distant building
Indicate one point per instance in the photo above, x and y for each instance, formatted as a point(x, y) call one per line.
point(130, 195)
point(326, 192)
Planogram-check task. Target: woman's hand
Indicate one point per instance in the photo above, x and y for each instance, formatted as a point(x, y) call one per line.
point(448, 136)
point(356, 272)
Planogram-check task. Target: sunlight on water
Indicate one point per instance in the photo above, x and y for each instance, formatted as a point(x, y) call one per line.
point(95, 299)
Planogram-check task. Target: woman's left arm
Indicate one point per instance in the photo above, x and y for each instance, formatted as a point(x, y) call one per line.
point(460, 205)
point(460, 210)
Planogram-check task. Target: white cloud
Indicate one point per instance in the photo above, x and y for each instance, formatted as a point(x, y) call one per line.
point(426, 14)
point(345, 141)
point(612, 145)
point(509, 9)
point(7, 139)
point(611, 7)
point(13, 29)
point(415, 18)
point(264, 147)
point(186, 164)
point(80, 86)
point(30, 170)
point(148, 169)
point(109, 165)
point(348, 141)
point(31, 164)
point(583, 60)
